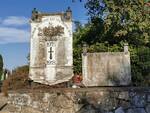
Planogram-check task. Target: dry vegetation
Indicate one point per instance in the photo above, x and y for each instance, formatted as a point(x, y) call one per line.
point(19, 79)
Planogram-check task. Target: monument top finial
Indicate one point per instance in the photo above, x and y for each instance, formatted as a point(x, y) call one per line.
point(34, 14)
point(84, 48)
point(126, 48)
point(68, 14)
point(34, 10)
point(68, 9)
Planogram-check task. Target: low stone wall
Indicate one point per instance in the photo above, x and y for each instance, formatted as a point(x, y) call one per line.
point(86, 100)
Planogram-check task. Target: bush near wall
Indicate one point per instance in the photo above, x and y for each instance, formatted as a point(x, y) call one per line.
point(17, 80)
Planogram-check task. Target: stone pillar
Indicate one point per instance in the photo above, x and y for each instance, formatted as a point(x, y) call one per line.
point(126, 48)
point(84, 49)
point(84, 62)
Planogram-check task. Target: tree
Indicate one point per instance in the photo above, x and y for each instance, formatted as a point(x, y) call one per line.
point(126, 20)
point(1, 66)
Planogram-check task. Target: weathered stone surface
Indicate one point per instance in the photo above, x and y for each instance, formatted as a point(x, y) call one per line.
point(11, 108)
point(3, 101)
point(139, 110)
point(104, 100)
point(148, 98)
point(124, 95)
point(130, 111)
point(136, 110)
point(51, 48)
point(22, 100)
point(4, 112)
point(14, 109)
point(119, 110)
point(124, 104)
point(106, 69)
point(87, 109)
point(77, 101)
point(29, 110)
point(139, 100)
point(147, 108)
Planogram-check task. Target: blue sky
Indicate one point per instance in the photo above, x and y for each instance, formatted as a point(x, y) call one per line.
point(15, 28)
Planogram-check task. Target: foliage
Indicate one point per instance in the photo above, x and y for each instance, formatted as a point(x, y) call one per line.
point(1, 66)
point(113, 23)
point(140, 60)
point(128, 17)
point(23, 70)
point(77, 59)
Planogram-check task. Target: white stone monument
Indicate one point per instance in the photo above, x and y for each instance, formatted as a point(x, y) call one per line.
point(51, 47)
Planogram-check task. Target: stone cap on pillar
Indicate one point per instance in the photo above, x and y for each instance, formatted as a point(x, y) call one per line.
point(126, 48)
point(84, 49)
point(68, 15)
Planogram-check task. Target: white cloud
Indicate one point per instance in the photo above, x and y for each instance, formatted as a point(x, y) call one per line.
point(13, 35)
point(15, 21)
point(9, 33)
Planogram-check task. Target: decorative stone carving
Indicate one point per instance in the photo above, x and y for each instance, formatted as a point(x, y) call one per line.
point(51, 32)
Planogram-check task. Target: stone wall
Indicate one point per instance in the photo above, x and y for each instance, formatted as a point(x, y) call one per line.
point(83, 100)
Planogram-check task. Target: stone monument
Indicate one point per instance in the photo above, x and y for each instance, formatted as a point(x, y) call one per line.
point(106, 68)
point(51, 47)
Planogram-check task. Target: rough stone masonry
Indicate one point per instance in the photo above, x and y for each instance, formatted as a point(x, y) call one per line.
point(51, 47)
point(86, 100)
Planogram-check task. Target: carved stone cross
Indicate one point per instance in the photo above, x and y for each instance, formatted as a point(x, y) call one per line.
point(51, 52)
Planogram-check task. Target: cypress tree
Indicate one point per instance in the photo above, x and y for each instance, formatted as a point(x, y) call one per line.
point(1, 66)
